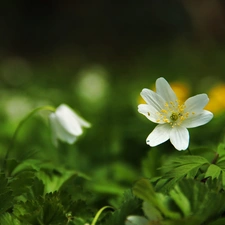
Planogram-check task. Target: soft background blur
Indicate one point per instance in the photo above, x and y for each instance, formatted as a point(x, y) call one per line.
point(96, 56)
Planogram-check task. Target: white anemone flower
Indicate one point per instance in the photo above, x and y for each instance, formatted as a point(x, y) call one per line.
point(173, 117)
point(66, 125)
point(136, 220)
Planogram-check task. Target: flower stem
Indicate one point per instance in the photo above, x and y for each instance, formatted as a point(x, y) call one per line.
point(189, 151)
point(215, 159)
point(11, 145)
point(99, 213)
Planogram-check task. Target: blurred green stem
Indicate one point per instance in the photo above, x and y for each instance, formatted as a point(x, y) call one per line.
point(99, 213)
point(189, 151)
point(48, 108)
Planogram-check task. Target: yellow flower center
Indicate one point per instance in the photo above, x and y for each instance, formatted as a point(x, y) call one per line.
point(174, 116)
point(173, 113)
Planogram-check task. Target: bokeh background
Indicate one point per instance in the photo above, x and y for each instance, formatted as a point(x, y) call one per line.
point(96, 56)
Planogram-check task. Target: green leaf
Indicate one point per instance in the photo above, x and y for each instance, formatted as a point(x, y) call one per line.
point(186, 159)
point(151, 212)
point(205, 203)
point(130, 206)
point(181, 201)
point(213, 171)
point(206, 152)
point(36, 189)
point(47, 210)
point(6, 196)
point(8, 219)
point(27, 165)
point(144, 190)
point(221, 149)
point(220, 221)
point(75, 187)
point(184, 166)
point(54, 179)
point(21, 183)
point(11, 164)
point(218, 169)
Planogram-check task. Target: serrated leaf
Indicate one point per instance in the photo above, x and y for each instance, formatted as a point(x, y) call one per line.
point(8, 219)
point(205, 152)
point(215, 184)
point(21, 183)
point(144, 190)
point(47, 210)
point(53, 210)
point(28, 165)
point(36, 189)
point(221, 149)
point(213, 171)
point(181, 201)
point(185, 160)
point(130, 206)
point(54, 179)
point(193, 172)
point(221, 167)
point(6, 196)
point(205, 203)
point(221, 164)
point(177, 169)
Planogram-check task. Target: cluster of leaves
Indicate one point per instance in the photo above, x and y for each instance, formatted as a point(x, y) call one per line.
point(188, 202)
point(35, 192)
point(31, 194)
point(190, 190)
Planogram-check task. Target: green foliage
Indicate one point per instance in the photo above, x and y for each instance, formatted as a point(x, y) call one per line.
point(190, 202)
point(6, 194)
point(156, 201)
point(69, 185)
point(9, 219)
point(53, 208)
point(151, 163)
point(129, 206)
point(42, 210)
point(185, 166)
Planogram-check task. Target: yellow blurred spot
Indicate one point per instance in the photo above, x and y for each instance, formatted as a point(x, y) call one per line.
point(181, 89)
point(216, 99)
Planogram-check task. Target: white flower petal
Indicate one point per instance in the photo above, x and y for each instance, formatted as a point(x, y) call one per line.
point(159, 135)
point(136, 220)
point(68, 120)
point(149, 112)
point(153, 99)
point(58, 132)
point(198, 120)
point(164, 90)
point(82, 121)
point(66, 124)
point(179, 137)
point(196, 103)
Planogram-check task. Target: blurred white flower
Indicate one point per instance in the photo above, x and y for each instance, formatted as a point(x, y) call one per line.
point(66, 125)
point(92, 86)
point(136, 220)
point(173, 117)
